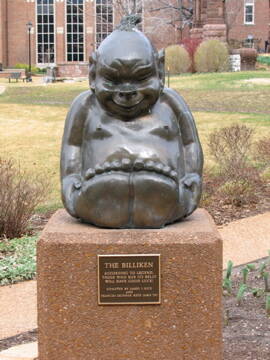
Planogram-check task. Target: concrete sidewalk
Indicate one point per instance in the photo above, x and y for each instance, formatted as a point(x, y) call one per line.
point(21, 352)
point(18, 310)
point(244, 241)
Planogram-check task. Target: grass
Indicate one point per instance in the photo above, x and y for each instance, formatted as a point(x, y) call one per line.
point(54, 95)
point(32, 135)
point(217, 81)
point(18, 260)
point(265, 59)
point(225, 92)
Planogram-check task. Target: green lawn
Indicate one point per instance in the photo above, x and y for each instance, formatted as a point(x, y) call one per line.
point(32, 116)
point(225, 92)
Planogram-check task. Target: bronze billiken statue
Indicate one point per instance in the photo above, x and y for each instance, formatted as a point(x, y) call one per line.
point(131, 157)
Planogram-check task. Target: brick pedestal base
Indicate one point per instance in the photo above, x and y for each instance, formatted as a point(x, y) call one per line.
point(186, 325)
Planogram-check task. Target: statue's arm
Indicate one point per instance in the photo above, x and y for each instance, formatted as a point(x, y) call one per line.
point(192, 147)
point(71, 150)
point(193, 155)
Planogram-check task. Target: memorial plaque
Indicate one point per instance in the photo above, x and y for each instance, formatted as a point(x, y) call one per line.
point(128, 279)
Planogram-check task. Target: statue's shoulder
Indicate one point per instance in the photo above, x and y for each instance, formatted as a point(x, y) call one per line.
point(175, 98)
point(80, 106)
point(83, 99)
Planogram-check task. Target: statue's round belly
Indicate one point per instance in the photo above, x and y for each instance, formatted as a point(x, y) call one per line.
point(135, 199)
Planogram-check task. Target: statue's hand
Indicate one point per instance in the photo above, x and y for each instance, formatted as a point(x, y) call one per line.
point(191, 186)
point(71, 186)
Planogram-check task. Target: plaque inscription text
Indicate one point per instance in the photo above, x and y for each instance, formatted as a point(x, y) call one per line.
point(128, 279)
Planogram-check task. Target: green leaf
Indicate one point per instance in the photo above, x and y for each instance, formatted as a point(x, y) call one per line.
point(242, 289)
point(251, 267)
point(229, 269)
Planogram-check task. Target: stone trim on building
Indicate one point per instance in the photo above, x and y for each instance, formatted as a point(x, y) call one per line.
point(209, 15)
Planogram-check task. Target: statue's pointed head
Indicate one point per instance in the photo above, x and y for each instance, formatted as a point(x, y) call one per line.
point(126, 72)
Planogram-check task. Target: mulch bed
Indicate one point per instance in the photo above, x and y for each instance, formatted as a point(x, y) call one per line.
point(224, 212)
point(23, 338)
point(246, 335)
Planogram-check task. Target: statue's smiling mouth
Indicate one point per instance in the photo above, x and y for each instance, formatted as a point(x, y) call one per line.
point(127, 106)
point(128, 100)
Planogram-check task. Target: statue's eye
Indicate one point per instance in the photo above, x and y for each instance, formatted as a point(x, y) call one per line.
point(110, 79)
point(144, 77)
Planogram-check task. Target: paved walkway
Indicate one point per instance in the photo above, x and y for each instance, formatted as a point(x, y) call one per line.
point(21, 352)
point(17, 308)
point(244, 241)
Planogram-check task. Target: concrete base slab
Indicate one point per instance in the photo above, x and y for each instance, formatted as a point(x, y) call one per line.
point(21, 352)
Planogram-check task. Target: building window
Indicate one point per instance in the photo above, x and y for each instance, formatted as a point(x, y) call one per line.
point(45, 32)
point(75, 30)
point(249, 13)
point(104, 20)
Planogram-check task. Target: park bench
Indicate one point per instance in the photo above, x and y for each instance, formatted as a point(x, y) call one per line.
point(15, 76)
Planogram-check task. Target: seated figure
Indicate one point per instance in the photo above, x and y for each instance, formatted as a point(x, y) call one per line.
point(131, 157)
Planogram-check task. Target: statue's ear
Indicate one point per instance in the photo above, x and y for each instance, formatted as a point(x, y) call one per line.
point(161, 65)
point(92, 70)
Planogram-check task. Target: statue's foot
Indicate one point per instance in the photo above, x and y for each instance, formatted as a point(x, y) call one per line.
point(122, 194)
point(104, 200)
point(155, 201)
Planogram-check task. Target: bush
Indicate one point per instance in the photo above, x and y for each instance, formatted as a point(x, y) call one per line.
point(212, 56)
point(262, 150)
point(34, 69)
point(230, 147)
point(237, 179)
point(191, 46)
point(262, 157)
point(177, 59)
point(238, 192)
point(264, 60)
point(18, 198)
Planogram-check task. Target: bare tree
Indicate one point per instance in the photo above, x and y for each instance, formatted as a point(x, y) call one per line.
point(176, 13)
point(231, 12)
point(128, 7)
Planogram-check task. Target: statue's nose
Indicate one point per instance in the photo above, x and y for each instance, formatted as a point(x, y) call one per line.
point(128, 95)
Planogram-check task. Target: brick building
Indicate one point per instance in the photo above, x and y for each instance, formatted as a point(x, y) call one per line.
point(65, 32)
point(233, 20)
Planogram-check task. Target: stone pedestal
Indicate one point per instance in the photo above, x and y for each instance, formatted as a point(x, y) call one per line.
point(235, 62)
point(187, 325)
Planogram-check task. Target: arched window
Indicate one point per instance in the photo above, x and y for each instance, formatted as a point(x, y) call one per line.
point(75, 30)
point(104, 20)
point(45, 12)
